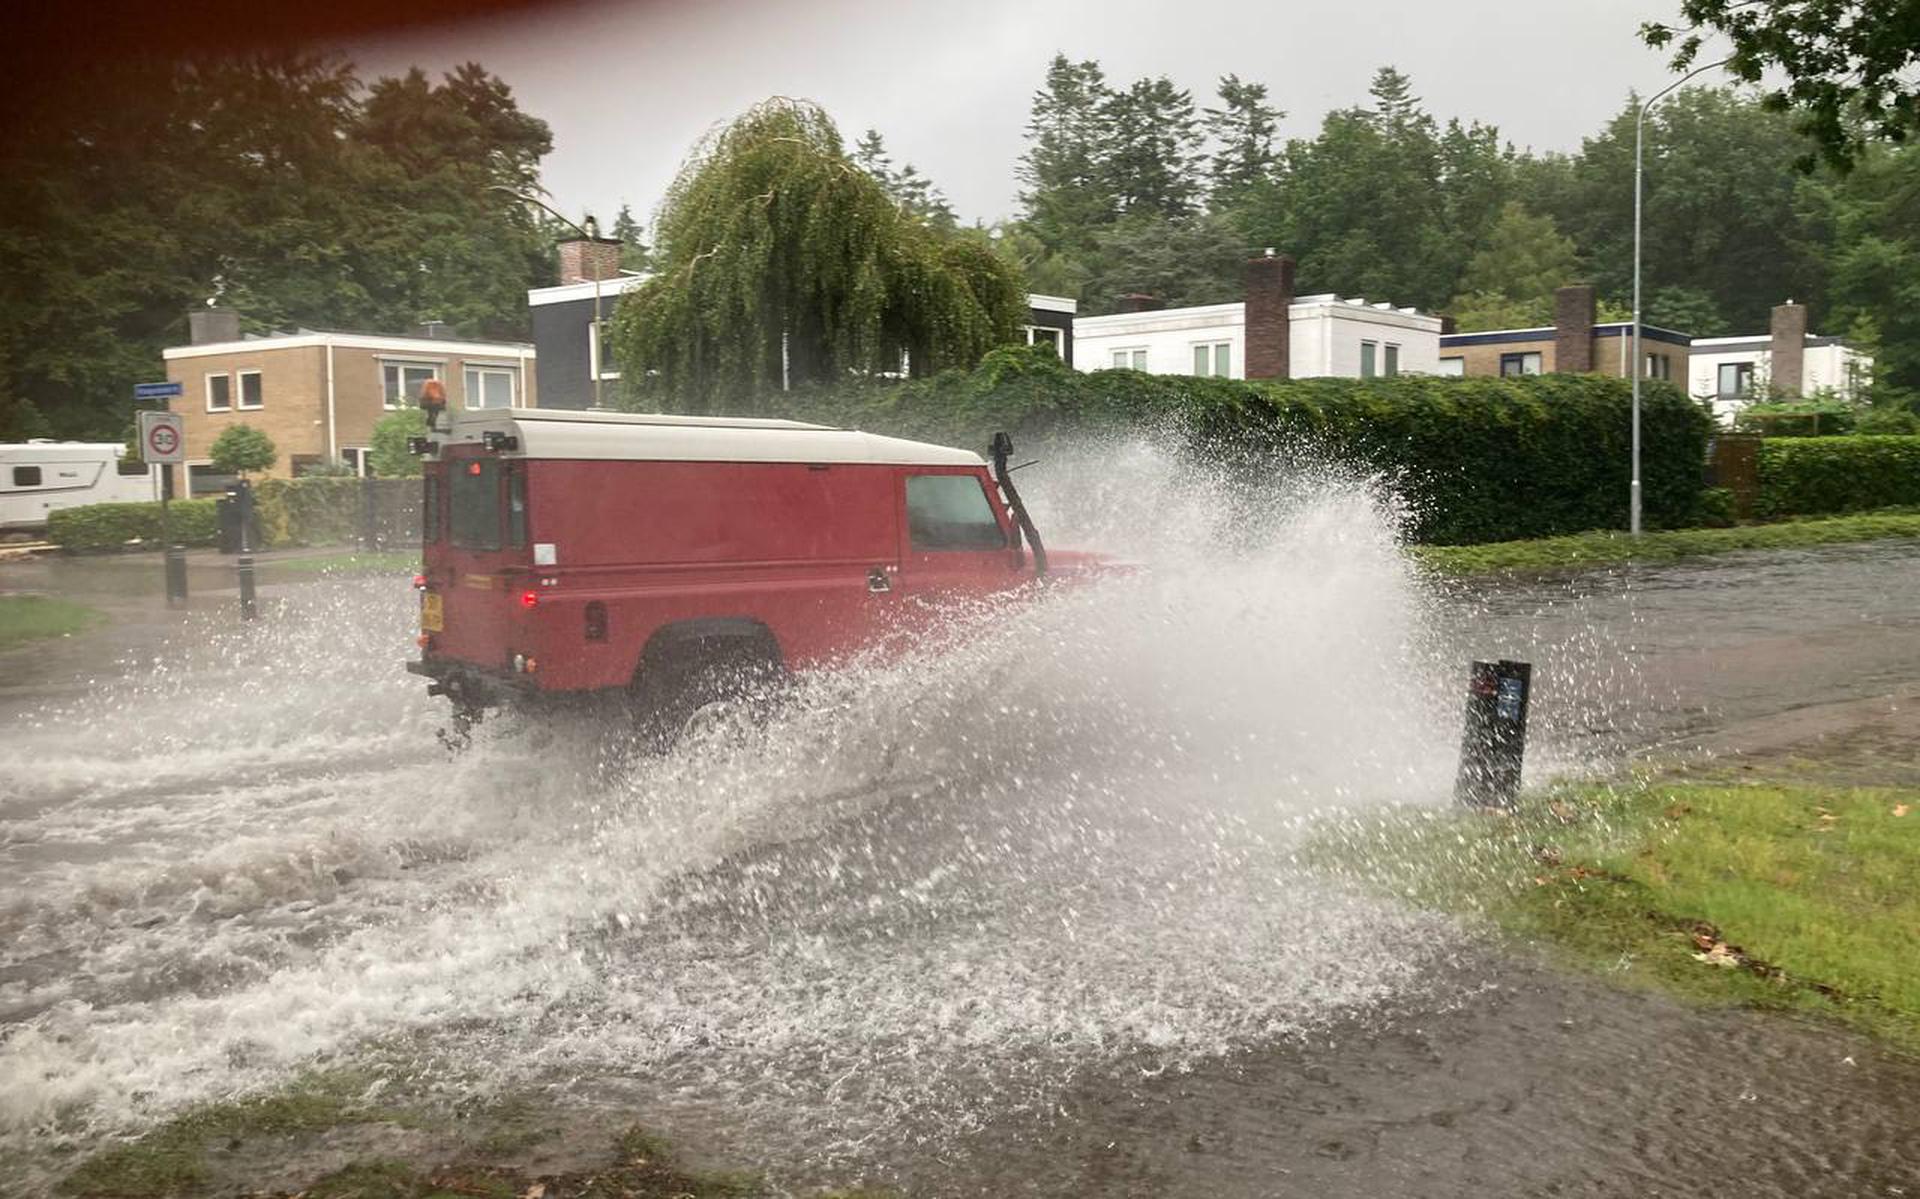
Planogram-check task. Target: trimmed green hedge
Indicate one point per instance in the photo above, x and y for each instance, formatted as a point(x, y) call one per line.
point(1805, 476)
point(112, 526)
point(1482, 459)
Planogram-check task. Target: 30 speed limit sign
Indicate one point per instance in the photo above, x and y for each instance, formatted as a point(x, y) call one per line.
point(162, 438)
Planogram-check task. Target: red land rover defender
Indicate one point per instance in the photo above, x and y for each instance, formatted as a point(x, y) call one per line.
point(681, 560)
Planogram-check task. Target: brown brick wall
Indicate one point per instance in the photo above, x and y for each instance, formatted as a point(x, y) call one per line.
point(1788, 361)
point(1573, 312)
point(1269, 327)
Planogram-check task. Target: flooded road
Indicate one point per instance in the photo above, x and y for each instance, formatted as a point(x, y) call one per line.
point(1017, 917)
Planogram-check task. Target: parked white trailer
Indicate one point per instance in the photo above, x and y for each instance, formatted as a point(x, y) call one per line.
point(38, 477)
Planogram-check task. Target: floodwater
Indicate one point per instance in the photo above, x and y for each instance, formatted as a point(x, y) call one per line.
point(1016, 915)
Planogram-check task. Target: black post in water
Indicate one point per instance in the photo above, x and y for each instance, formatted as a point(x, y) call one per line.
point(176, 556)
point(1495, 742)
point(243, 497)
point(369, 528)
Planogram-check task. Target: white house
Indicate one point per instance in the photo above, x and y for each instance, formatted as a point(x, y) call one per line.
point(1326, 335)
point(1732, 372)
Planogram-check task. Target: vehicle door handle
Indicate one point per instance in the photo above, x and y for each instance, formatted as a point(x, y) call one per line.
point(877, 580)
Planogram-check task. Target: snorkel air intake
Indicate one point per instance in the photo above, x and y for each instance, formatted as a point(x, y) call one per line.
point(1000, 450)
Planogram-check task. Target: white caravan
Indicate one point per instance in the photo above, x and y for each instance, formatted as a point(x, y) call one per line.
point(37, 477)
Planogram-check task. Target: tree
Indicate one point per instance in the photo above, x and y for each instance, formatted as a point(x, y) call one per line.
point(1849, 64)
point(1243, 129)
point(633, 247)
point(1876, 261)
point(388, 450)
point(1194, 260)
point(1149, 164)
point(241, 450)
point(1066, 188)
point(908, 187)
point(1510, 282)
point(781, 260)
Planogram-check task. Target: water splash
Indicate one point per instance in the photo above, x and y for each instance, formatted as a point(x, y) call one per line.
point(926, 891)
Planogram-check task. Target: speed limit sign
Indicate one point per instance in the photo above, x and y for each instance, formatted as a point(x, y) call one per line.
point(162, 438)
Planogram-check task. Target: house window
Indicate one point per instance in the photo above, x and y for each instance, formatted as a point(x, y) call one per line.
point(1130, 359)
point(1453, 366)
point(600, 353)
point(358, 459)
point(1044, 335)
point(1527, 363)
point(26, 476)
point(219, 393)
point(1392, 364)
point(250, 392)
point(401, 381)
point(1736, 378)
point(1213, 358)
point(1659, 366)
point(1369, 353)
point(489, 387)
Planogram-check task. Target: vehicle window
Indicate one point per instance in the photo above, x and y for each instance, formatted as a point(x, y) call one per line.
point(951, 512)
point(430, 508)
point(516, 506)
point(474, 504)
point(26, 476)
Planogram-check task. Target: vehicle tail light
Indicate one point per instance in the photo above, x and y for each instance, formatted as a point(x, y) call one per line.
point(419, 582)
point(529, 599)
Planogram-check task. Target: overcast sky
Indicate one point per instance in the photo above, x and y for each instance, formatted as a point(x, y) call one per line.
point(629, 86)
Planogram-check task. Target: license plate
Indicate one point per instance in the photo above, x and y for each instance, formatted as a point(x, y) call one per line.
point(432, 615)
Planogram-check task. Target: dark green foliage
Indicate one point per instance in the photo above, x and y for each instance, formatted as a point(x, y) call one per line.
point(1243, 129)
point(1480, 459)
point(388, 444)
point(1192, 260)
point(1803, 476)
point(1799, 418)
point(112, 526)
point(242, 449)
point(1148, 163)
point(772, 237)
point(280, 185)
point(1848, 64)
point(1894, 421)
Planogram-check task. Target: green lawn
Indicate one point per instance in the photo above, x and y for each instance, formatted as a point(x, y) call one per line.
point(350, 562)
point(1773, 896)
point(1609, 548)
point(25, 618)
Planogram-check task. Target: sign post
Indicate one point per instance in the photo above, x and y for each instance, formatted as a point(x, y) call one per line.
point(163, 442)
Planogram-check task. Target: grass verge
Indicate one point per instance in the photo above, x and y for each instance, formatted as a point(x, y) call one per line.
point(1776, 896)
point(1612, 548)
point(25, 618)
point(478, 1151)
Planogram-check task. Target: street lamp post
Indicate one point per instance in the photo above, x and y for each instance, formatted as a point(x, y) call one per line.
point(590, 235)
point(1636, 366)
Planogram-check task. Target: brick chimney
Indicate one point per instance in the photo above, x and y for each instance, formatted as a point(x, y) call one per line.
point(1573, 312)
point(207, 325)
point(1789, 348)
point(433, 328)
point(1138, 301)
point(1269, 328)
point(584, 259)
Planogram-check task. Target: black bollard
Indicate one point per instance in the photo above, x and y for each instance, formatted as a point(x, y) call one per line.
point(1495, 743)
point(248, 608)
point(369, 522)
point(176, 558)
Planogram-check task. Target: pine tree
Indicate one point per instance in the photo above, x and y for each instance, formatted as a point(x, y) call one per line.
point(1150, 161)
point(1067, 193)
point(634, 255)
point(1243, 128)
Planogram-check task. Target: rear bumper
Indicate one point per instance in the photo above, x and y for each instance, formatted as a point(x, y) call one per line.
point(468, 683)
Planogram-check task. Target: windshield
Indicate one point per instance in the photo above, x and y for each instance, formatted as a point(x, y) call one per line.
point(475, 505)
point(951, 512)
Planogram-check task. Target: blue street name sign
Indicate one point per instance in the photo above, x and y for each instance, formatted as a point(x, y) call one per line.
point(155, 391)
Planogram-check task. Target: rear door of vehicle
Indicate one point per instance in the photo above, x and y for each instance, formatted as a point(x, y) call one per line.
point(481, 565)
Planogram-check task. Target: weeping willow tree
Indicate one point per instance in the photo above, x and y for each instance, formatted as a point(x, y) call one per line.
point(779, 260)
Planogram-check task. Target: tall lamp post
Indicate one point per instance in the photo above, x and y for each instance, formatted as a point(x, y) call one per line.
point(590, 235)
point(1637, 366)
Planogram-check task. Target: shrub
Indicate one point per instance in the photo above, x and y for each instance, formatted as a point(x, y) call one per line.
point(112, 526)
point(1888, 421)
point(391, 458)
point(1482, 459)
point(1804, 476)
point(242, 449)
point(327, 510)
point(1803, 418)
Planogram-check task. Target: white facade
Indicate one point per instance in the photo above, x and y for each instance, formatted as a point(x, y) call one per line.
point(1733, 372)
point(1329, 336)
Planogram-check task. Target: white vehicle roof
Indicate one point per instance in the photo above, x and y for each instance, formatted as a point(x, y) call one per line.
point(644, 437)
point(39, 450)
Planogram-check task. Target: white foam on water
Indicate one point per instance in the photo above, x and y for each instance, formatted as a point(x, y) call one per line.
point(1057, 834)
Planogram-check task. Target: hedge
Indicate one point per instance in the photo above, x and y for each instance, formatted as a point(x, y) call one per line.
point(112, 526)
point(1806, 476)
point(1482, 459)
